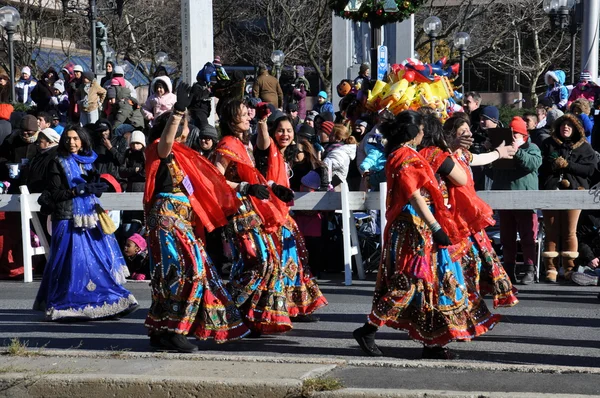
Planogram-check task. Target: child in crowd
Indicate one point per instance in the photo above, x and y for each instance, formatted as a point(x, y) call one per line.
point(59, 101)
point(135, 252)
point(134, 168)
point(91, 96)
point(160, 100)
point(372, 167)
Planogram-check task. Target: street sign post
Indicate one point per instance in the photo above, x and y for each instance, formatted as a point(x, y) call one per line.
point(382, 62)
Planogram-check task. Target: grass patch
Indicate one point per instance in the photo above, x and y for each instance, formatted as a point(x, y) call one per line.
point(17, 347)
point(318, 384)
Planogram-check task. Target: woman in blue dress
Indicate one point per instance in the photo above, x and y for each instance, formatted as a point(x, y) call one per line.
point(86, 271)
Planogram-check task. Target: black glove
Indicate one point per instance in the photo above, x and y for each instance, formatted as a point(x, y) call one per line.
point(92, 176)
point(258, 191)
point(184, 97)
point(441, 238)
point(283, 193)
point(79, 189)
point(96, 188)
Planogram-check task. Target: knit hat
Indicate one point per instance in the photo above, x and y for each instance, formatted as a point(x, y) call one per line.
point(50, 135)
point(217, 62)
point(322, 94)
point(29, 123)
point(361, 123)
point(585, 75)
point(491, 113)
point(292, 108)
point(102, 125)
point(137, 137)
point(518, 125)
point(78, 68)
point(26, 70)
point(311, 180)
point(59, 85)
point(5, 111)
point(118, 70)
point(209, 131)
point(112, 182)
point(327, 127)
point(364, 67)
point(310, 116)
point(305, 131)
point(89, 75)
point(139, 241)
point(552, 116)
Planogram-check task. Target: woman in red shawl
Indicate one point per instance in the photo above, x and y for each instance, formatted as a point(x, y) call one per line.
point(273, 147)
point(257, 278)
point(480, 262)
point(185, 194)
point(419, 288)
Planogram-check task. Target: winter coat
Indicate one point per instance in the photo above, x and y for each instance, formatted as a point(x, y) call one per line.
point(128, 85)
point(23, 89)
point(5, 130)
point(136, 180)
point(91, 100)
point(125, 110)
point(14, 150)
point(588, 236)
point(375, 159)
point(327, 107)
point(589, 91)
point(267, 88)
point(523, 176)
point(557, 92)
point(110, 161)
point(60, 195)
point(577, 152)
point(300, 98)
point(201, 105)
point(41, 95)
point(60, 103)
point(588, 126)
point(37, 177)
point(155, 105)
point(338, 160)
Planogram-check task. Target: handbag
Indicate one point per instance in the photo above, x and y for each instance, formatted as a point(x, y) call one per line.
point(106, 223)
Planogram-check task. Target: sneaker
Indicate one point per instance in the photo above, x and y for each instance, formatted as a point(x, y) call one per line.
point(583, 279)
point(438, 353)
point(366, 341)
point(178, 342)
point(306, 318)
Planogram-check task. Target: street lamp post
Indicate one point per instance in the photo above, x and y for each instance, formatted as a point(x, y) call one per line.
point(9, 20)
point(562, 16)
point(461, 42)
point(432, 27)
point(277, 57)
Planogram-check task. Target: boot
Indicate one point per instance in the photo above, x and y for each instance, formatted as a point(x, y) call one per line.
point(549, 262)
point(438, 353)
point(511, 271)
point(365, 337)
point(177, 342)
point(529, 277)
point(568, 263)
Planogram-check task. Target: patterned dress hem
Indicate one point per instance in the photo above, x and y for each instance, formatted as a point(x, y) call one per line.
point(88, 312)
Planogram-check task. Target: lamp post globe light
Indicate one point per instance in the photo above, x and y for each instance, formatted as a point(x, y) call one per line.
point(161, 57)
point(277, 57)
point(9, 20)
point(461, 42)
point(432, 27)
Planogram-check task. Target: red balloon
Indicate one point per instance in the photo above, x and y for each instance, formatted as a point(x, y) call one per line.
point(409, 75)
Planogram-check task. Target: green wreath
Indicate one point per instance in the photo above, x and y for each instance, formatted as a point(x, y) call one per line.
point(372, 11)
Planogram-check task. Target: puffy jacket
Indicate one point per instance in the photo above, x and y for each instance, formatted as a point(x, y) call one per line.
point(557, 92)
point(338, 160)
point(60, 195)
point(523, 176)
point(589, 91)
point(23, 89)
point(155, 105)
point(375, 159)
point(327, 107)
point(588, 126)
point(577, 152)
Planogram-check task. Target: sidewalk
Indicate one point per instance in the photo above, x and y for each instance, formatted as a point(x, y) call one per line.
point(75, 373)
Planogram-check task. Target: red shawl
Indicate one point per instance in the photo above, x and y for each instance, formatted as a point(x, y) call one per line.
point(277, 171)
point(475, 212)
point(273, 212)
point(407, 171)
point(212, 200)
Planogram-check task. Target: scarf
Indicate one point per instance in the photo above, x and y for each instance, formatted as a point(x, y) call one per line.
point(212, 200)
point(273, 211)
point(75, 167)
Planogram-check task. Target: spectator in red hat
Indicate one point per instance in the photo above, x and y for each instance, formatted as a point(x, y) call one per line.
point(520, 174)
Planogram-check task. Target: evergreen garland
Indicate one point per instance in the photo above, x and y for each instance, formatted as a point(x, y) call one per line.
point(372, 11)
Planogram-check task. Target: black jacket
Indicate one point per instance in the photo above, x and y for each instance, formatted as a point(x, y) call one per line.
point(109, 162)
point(37, 178)
point(136, 180)
point(58, 197)
point(577, 152)
point(14, 150)
point(588, 236)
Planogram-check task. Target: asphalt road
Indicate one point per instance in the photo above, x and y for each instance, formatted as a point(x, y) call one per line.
point(552, 325)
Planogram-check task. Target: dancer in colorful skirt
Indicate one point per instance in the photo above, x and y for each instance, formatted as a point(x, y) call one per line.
point(185, 195)
point(85, 272)
point(481, 265)
point(275, 149)
point(419, 288)
point(257, 278)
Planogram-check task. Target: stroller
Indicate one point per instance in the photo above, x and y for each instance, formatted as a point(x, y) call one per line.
point(369, 236)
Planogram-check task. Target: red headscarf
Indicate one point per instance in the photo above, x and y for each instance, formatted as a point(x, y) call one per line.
point(213, 200)
point(407, 171)
point(273, 211)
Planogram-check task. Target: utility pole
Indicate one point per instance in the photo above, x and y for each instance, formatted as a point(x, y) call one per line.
point(589, 37)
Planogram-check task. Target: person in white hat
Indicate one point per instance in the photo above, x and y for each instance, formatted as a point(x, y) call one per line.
point(47, 144)
point(118, 71)
point(135, 160)
point(24, 87)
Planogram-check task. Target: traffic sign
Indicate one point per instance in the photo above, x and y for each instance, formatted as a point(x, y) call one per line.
point(382, 62)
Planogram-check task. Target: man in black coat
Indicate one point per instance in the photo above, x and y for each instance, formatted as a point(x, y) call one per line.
point(110, 149)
